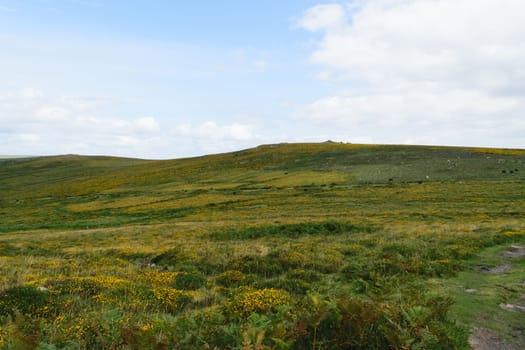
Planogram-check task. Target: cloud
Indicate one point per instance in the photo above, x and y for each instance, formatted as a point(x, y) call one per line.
point(211, 137)
point(38, 124)
point(33, 123)
point(210, 130)
point(422, 67)
point(323, 17)
point(146, 124)
point(408, 107)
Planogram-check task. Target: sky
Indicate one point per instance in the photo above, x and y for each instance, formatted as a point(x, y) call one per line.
point(167, 79)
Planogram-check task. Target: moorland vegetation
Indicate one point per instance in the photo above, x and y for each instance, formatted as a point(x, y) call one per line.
point(289, 246)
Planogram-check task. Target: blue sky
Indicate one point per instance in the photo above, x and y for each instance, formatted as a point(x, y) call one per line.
point(166, 79)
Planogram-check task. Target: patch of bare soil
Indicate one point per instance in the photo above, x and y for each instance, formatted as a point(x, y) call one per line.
point(487, 339)
point(496, 270)
point(512, 307)
point(515, 252)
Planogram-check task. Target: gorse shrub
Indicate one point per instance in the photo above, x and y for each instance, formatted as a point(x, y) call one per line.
point(234, 278)
point(292, 285)
point(262, 301)
point(26, 300)
point(84, 287)
point(172, 300)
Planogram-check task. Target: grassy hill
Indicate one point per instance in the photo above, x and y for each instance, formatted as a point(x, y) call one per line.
point(79, 192)
point(273, 246)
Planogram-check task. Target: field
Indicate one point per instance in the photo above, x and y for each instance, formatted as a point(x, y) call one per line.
point(289, 246)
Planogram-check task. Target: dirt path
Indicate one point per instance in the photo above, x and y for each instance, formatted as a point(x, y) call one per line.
point(488, 339)
point(496, 270)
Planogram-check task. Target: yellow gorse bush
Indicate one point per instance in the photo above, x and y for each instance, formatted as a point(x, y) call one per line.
point(172, 299)
point(258, 301)
point(2, 336)
point(159, 278)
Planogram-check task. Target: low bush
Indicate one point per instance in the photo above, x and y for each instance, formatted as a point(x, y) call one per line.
point(260, 265)
point(305, 275)
point(172, 300)
point(189, 281)
point(261, 301)
point(292, 285)
point(234, 278)
point(354, 323)
point(326, 228)
point(26, 300)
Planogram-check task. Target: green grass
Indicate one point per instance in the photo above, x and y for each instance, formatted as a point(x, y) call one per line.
point(478, 294)
point(325, 246)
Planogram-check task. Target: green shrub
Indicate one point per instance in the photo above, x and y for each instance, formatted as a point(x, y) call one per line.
point(261, 265)
point(305, 275)
point(401, 249)
point(356, 270)
point(172, 257)
point(189, 281)
point(292, 285)
point(354, 323)
point(326, 228)
point(85, 287)
point(234, 278)
point(26, 300)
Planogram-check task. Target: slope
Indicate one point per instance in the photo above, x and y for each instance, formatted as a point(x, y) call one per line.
point(80, 192)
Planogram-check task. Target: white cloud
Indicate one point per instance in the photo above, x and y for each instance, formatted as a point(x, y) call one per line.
point(38, 124)
point(322, 17)
point(423, 67)
point(410, 106)
point(210, 130)
point(27, 137)
point(52, 113)
point(146, 124)
point(33, 123)
point(211, 137)
point(27, 94)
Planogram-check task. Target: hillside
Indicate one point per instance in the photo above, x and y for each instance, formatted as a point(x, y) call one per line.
point(325, 246)
point(76, 191)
